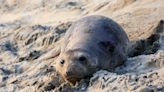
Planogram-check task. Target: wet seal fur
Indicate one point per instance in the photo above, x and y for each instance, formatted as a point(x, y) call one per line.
point(90, 44)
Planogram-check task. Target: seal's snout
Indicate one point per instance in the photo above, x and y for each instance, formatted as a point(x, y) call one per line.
point(72, 74)
point(72, 69)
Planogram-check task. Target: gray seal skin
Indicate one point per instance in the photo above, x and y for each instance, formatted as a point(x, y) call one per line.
point(90, 44)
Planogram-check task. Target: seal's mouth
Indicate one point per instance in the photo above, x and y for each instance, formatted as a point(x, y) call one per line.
point(73, 80)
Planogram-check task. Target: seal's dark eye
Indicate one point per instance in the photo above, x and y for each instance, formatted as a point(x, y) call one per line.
point(62, 62)
point(82, 58)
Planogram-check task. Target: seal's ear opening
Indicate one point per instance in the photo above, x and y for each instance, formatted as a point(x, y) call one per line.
point(107, 46)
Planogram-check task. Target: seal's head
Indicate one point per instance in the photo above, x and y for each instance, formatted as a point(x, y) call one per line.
point(74, 65)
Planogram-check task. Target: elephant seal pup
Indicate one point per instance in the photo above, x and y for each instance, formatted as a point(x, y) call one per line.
point(90, 44)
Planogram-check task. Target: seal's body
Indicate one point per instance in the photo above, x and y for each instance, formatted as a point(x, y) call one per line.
point(90, 44)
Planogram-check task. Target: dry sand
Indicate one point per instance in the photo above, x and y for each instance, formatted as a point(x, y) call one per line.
point(31, 31)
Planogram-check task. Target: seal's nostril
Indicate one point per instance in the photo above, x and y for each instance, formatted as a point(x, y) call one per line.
point(68, 73)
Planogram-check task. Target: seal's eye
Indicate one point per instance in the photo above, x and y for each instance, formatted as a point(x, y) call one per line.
point(62, 62)
point(82, 58)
